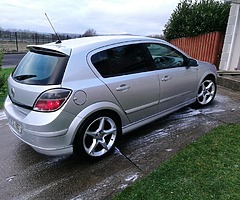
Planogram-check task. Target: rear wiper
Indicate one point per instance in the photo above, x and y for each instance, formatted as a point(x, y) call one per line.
point(24, 77)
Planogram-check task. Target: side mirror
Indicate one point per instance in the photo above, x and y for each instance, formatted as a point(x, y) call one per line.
point(192, 62)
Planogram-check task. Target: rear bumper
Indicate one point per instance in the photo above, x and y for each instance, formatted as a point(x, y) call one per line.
point(51, 141)
point(47, 133)
point(55, 152)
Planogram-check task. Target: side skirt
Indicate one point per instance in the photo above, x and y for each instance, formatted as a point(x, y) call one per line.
point(142, 122)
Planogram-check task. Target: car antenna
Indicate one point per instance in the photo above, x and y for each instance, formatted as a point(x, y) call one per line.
point(58, 39)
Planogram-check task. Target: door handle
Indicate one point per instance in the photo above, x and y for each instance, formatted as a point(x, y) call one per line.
point(123, 88)
point(166, 78)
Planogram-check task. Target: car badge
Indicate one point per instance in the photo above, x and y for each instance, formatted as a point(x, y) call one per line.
point(13, 92)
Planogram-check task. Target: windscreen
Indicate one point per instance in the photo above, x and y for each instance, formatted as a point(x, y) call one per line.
point(40, 69)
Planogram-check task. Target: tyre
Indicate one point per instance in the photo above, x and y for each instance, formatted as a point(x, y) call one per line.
point(206, 92)
point(97, 136)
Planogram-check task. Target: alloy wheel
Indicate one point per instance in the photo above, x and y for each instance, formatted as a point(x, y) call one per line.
point(206, 92)
point(100, 136)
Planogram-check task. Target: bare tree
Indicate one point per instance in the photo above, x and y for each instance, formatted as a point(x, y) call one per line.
point(90, 32)
point(157, 36)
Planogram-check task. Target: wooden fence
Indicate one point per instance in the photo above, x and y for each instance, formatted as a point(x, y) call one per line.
point(206, 47)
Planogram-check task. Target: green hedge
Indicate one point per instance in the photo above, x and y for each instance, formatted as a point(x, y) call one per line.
point(195, 18)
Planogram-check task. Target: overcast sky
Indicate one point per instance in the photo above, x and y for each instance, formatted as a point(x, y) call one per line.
point(139, 17)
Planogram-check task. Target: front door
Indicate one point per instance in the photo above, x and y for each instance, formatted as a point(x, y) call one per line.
point(178, 82)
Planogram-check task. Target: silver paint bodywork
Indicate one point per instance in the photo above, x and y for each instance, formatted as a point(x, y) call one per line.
point(136, 98)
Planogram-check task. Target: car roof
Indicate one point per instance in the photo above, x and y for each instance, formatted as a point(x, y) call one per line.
point(90, 43)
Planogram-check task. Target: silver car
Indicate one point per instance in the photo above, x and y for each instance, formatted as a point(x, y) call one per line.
point(81, 95)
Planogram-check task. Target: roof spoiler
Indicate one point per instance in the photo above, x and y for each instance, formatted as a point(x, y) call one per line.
point(43, 50)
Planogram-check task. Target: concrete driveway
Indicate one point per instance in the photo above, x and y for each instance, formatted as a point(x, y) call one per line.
point(26, 174)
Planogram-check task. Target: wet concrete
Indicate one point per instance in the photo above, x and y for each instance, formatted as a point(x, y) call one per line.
point(26, 174)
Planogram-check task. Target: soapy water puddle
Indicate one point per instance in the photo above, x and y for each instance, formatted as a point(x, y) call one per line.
point(125, 179)
point(179, 121)
point(34, 193)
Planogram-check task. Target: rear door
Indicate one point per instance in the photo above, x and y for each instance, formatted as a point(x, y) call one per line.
point(128, 74)
point(178, 82)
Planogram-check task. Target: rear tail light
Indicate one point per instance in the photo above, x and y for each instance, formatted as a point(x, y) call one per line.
point(51, 100)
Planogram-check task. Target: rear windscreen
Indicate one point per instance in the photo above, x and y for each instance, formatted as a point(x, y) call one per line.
point(40, 69)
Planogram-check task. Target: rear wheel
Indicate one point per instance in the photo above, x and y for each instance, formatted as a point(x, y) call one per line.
point(98, 136)
point(206, 92)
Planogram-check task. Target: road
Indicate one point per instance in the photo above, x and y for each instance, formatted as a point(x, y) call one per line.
point(26, 174)
point(11, 60)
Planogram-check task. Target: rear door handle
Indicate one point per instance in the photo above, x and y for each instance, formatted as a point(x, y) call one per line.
point(166, 78)
point(123, 88)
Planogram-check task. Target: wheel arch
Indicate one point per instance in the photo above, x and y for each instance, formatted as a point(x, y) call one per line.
point(101, 107)
point(210, 75)
point(109, 112)
point(80, 141)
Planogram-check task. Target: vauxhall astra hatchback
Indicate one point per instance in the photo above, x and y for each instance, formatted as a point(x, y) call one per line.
point(80, 95)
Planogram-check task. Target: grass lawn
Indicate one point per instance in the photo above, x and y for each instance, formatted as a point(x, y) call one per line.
point(3, 91)
point(207, 169)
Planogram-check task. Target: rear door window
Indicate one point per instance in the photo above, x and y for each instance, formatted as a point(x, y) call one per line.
point(122, 60)
point(40, 69)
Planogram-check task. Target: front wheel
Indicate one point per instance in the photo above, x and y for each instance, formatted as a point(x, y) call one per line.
point(206, 92)
point(98, 136)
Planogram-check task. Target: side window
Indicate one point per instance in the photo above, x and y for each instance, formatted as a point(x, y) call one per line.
point(165, 56)
point(128, 59)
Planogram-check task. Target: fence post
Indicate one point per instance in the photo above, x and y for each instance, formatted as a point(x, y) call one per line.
point(16, 40)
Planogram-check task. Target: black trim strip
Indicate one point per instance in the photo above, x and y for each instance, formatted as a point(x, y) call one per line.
point(20, 104)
